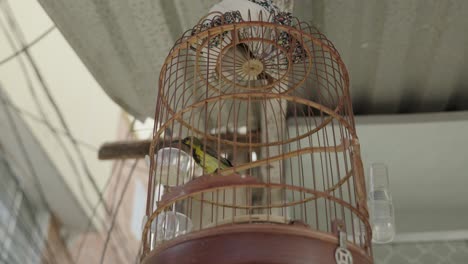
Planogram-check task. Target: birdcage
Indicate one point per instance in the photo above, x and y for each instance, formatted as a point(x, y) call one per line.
point(255, 153)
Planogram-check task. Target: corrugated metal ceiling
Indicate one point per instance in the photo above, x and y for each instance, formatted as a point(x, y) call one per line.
point(403, 55)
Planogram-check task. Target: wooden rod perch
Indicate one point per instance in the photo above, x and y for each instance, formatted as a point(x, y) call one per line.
point(137, 149)
point(124, 150)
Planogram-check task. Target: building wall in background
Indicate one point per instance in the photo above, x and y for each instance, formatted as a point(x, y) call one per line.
point(129, 187)
point(57, 250)
point(22, 225)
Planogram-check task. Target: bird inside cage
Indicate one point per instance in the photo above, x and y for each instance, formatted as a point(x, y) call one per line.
point(206, 157)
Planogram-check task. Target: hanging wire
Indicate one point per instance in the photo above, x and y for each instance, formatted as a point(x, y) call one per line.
point(92, 217)
point(94, 210)
point(54, 130)
point(20, 38)
point(98, 203)
point(28, 46)
point(39, 106)
point(66, 132)
point(27, 158)
point(32, 230)
point(30, 236)
point(103, 254)
point(89, 224)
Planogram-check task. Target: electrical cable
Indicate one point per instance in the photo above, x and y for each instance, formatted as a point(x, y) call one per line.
point(41, 111)
point(28, 46)
point(118, 231)
point(94, 211)
point(8, 103)
point(33, 237)
point(114, 193)
point(103, 254)
point(53, 129)
point(68, 155)
point(67, 132)
point(33, 172)
point(89, 224)
point(20, 37)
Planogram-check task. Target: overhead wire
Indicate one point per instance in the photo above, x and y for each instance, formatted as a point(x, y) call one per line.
point(89, 224)
point(36, 182)
point(28, 46)
point(31, 86)
point(115, 206)
point(39, 106)
point(41, 111)
point(98, 203)
point(83, 241)
point(6, 102)
point(33, 235)
point(109, 232)
point(20, 37)
point(53, 129)
point(117, 230)
point(46, 122)
point(114, 193)
point(25, 49)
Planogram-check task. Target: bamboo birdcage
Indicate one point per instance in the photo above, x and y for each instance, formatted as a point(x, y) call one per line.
point(270, 94)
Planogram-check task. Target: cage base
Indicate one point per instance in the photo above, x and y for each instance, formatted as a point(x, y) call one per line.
point(254, 243)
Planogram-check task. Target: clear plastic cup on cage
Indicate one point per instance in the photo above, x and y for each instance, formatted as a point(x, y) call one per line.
point(173, 167)
point(170, 225)
point(380, 205)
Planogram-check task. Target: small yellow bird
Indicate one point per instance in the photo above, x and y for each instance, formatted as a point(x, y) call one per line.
point(206, 157)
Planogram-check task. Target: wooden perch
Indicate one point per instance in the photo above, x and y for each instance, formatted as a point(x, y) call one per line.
point(137, 149)
point(124, 149)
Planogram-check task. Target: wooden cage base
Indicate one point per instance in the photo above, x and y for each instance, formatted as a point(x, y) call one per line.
point(253, 243)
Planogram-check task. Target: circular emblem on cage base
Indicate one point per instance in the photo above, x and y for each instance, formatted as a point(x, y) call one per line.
point(343, 256)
